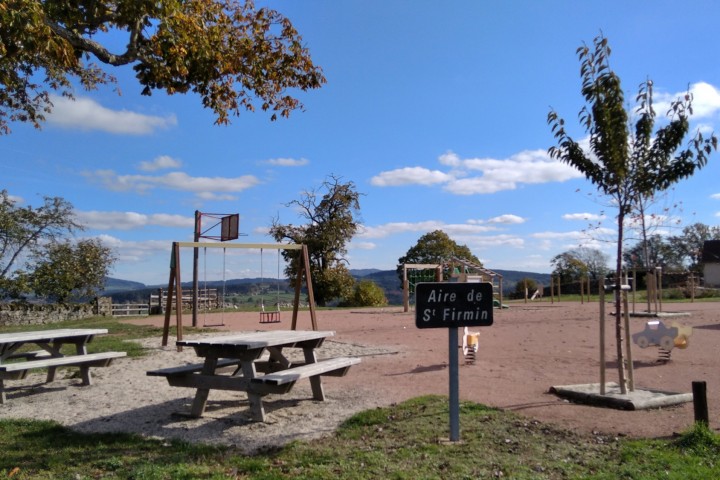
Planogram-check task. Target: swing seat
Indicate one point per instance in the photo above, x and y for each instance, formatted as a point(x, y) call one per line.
point(270, 317)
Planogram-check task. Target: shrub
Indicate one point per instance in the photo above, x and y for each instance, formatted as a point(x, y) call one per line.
point(367, 294)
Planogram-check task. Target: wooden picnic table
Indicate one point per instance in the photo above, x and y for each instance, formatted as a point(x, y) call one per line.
point(252, 371)
point(16, 361)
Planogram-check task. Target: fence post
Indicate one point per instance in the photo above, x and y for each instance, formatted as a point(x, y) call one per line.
point(700, 405)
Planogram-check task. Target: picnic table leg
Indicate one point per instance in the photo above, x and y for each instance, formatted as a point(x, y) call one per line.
point(316, 381)
point(81, 349)
point(85, 374)
point(2, 392)
point(201, 396)
point(55, 352)
point(256, 406)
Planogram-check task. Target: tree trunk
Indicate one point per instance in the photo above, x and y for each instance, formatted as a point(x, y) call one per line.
point(618, 306)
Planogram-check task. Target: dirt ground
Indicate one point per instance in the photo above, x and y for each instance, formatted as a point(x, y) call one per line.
point(529, 348)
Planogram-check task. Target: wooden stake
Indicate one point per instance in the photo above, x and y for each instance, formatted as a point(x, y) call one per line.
point(601, 293)
point(700, 404)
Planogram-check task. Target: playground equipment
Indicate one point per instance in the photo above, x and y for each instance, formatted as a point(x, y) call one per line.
point(414, 273)
point(207, 298)
point(175, 285)
point(471, 341)
point(453, 270)
point(229, 230)
point(456, 270)
point(271, 316)
point(656, 333)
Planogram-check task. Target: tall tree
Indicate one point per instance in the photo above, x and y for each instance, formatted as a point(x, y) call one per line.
point(226, 51)
point(24, 231)
point(689, 244)
point(436, 248)
point(569, 267)
point(69, 271)
point(655, 251)
point(331, 223)
point(596, 262)
point(626, 164)
point(36, 254)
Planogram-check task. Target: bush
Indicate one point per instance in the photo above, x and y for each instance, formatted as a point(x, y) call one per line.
point(519, 291)
point(366, 294)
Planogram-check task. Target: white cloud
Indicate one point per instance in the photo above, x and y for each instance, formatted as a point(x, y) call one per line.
point(203, 187)
point(16, 199)
point(558, 235)
point(131, 220)
point(507, 219)
point(215, 197)
point(395, 228)
point(715, 196)
point(160, 163)
point(482, 175)
point(133, 252)
point(706, 100)
point(409, 176)
point(705, 103)
point(287, 162)
point(491, 241)
point(450, 159)
point(363, 245)
point(84, 113)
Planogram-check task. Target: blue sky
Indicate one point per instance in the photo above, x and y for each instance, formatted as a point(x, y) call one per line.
point(435, 110)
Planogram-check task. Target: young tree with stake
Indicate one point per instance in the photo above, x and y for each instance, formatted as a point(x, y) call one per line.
point(626, 164)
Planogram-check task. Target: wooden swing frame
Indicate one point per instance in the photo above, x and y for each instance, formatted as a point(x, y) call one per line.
point(175, 287)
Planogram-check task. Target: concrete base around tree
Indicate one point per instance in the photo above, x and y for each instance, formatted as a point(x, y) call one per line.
point(639, 399)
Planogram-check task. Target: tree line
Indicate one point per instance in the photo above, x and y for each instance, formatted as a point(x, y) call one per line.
point(39, 256)
point(680, 253)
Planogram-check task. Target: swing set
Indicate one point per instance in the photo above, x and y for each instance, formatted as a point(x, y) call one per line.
point(271, 316)
point(175, 286)
point(229, 230)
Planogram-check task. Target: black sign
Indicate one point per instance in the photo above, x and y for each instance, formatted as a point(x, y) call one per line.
point(448, 305)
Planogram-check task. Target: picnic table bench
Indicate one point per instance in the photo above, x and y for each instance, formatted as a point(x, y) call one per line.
point(15, 364)
point(252, 373)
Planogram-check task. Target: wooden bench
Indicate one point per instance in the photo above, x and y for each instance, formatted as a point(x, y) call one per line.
point(19, 370)
point(282, 381)
point(35, 354)
point(192, 368)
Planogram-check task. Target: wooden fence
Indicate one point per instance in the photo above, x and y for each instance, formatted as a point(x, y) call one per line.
point(130, 309)
point(207, 299)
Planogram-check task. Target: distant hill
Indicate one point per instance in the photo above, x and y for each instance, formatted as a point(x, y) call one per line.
point(511, 277)
point(128, 291)
point(117, 285)
point(364, 272)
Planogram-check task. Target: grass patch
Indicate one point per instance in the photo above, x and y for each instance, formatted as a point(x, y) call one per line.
point(405, 441)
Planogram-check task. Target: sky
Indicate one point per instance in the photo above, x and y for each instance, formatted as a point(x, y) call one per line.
point(436, 111)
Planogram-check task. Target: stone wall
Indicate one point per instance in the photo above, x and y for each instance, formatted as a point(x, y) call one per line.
point(29, 314)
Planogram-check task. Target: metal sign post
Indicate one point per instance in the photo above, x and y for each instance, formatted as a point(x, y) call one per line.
point(451, 306)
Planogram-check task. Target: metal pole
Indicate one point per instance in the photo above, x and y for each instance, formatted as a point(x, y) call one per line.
point(196, 254)
point(454, 385)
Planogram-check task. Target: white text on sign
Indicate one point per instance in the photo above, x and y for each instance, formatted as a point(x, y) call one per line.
point(450, 305)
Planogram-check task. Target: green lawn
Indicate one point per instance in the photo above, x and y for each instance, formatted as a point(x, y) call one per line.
point(401, 442)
